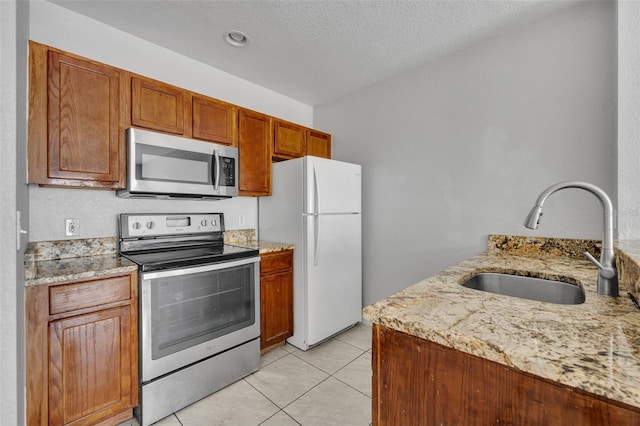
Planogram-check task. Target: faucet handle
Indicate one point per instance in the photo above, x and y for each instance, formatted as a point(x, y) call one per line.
point(605, 272)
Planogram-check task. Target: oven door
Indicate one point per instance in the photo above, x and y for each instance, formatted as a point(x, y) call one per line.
point(190, 314)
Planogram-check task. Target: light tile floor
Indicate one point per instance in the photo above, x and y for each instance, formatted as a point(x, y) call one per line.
point(329, 384)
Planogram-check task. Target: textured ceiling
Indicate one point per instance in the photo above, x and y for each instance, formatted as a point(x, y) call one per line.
point(315, 51)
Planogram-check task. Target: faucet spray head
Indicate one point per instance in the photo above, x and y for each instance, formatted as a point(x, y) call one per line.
point(533, 218)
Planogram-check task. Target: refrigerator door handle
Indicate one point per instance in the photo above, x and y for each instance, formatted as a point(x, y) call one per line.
point(316, 198)
point(316, 249)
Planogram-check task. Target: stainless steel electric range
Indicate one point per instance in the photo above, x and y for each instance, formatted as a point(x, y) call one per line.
point(199, 308)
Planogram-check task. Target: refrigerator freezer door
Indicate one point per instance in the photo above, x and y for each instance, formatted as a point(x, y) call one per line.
point(332, 186)
point(333, 257)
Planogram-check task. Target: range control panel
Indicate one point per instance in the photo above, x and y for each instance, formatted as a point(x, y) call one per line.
point(155, 224)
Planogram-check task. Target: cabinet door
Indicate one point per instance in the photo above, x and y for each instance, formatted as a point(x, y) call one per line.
point(318, 143)
point(290, 140)
point(90, 366)
point(254, 153)
point(276, 313)
point(158, 106)
point(85, 138)
point(214, 121)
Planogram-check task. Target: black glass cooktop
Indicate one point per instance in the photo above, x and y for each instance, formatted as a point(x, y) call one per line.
point(178, 258)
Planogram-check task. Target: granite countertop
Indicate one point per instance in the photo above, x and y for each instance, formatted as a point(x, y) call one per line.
point(593, 346)
point(247, 238)
point(271, 247)
point(50, 262)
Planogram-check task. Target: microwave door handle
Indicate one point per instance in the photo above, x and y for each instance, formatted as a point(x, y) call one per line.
point(216, 177)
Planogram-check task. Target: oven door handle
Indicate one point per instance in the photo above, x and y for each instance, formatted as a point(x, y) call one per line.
point(197, 269)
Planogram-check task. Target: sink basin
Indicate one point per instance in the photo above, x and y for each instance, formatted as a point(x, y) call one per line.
point(527, 288)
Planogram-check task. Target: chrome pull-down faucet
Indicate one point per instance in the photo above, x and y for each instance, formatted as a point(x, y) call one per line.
point(607, 276)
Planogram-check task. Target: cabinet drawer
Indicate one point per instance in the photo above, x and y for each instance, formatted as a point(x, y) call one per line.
point(71, 297)
point(276, 262)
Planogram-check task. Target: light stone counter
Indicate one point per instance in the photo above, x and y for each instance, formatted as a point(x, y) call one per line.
point(593, 346)
point(48, 262)
point(247, 238)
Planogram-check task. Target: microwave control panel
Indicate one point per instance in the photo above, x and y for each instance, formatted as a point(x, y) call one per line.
point(227, 171)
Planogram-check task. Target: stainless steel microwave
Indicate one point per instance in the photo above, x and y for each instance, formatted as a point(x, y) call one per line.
point(166, 166)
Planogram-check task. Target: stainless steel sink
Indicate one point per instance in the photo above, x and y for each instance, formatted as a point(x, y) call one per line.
point(527, 288)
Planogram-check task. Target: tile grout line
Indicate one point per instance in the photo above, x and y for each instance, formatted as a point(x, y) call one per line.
point(326, 372)
point(329, 375)
point(276, 413)
point(347, 384)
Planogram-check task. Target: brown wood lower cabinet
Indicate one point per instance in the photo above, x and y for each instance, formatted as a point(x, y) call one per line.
point(82, 352)
point(276, 298)
point(417, 382)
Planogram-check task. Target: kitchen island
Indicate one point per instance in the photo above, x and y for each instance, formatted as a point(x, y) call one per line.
point(491, 358)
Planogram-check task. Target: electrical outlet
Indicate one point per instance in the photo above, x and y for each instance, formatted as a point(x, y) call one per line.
point(241, 220)
point(72, 227)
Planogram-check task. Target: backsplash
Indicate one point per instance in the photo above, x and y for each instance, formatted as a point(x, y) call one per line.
point(241, 237)
point(628, 264)
point(531, 246)
point(63, 249)
point(37, 251)
point(627, 254)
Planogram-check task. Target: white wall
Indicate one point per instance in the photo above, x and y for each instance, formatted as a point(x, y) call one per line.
point(13, 196)
point(628, 120)
point(8, 261)
point(461, 147)
point(97, 210)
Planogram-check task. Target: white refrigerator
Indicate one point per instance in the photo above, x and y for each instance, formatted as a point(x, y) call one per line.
point(316, 205)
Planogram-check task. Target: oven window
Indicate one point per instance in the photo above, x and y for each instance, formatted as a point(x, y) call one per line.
point(191, 309)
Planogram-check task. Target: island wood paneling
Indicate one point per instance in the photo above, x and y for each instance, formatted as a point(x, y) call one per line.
point(417, 382)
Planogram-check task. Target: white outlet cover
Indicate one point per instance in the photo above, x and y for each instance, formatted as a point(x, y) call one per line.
point(72, 227)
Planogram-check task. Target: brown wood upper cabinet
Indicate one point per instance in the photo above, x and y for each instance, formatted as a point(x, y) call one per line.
point(75, 132)
point(214, 120)
point(290, 140)
point(318, 143)
point(79, 110)
point(254, 152)
point(158, 106)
